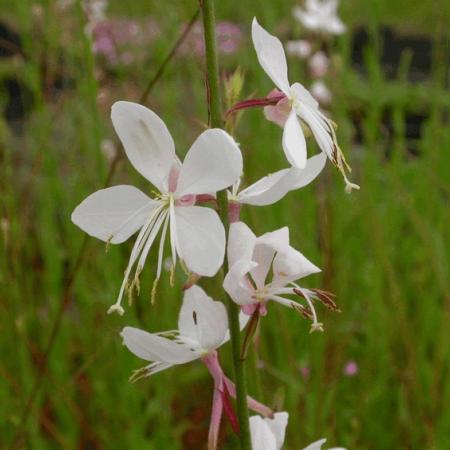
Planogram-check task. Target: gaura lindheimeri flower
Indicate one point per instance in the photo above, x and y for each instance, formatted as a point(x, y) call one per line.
point(275, 186)
point(294, 102)
point(252, 259)
point(197, 235)
point(202, 328)
point(320, 16)
point(268, 433)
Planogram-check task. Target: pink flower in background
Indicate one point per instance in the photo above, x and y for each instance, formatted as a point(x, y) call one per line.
point(351, 369)
point(319, 64)
point(320, 92)
point(306, 372)
point(300, 48)
point(229, 38)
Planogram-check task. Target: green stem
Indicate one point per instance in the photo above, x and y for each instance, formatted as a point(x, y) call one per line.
point(216, 120)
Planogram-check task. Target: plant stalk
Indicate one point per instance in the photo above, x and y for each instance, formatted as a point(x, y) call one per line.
point(216, 120)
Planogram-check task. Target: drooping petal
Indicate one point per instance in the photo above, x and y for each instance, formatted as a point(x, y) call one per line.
point(202, 319)
point(314, 166)
point(200, 239)
point(146, 140)
point(213, 163)
point(271, 56)
point(294, 143)
point(113, 214)
point(278, 426)
point(236, 283)
point(261, 435)
point(241, 241)
point(152, 347)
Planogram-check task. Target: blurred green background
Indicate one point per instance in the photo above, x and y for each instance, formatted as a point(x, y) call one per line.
point(384, 250)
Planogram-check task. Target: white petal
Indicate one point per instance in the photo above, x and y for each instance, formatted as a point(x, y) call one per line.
point(294, 143)
point(265, 249)
point(289, 264)
point(236, 283)
point(261, 434)
point(271, 56)
point(314, 166)
point(202, 319)
point(319, 130)
point(316, 445)
point(241, 242)
point(113, 214)
point(200, 239)
point(303, 95)
point(278, 426)
point(146, 140)
point(152, 347)
point(213, 163)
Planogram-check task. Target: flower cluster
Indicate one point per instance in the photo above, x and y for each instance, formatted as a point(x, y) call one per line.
point(182, 210)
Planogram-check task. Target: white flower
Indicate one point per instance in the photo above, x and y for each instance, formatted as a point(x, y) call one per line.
point(268, 434)
point(202, 328)
point(321, 16)
point(197, 235)
point(251, 261)
point(275, 186)
point(300, 48)
point(320, 92)
point(300, 104)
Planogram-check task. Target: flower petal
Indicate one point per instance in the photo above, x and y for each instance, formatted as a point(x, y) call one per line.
point(113, 214)
point(261, 434)
point(271, 56)
point(202, 319)
point(289, 265)
point(314, 166)
point(200, 239)
point(278, 426)
point(241, 242)
point(236, 283)
point(265, 249)
point(316, 445)
point(146, 140)
point(213, 163)
point(294, 143)
point(152, 347)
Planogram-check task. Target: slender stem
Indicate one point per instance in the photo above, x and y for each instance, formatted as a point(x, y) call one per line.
point(222, 199)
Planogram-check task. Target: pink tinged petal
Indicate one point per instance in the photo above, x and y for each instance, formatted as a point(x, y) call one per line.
point(241, 242)
point(290, 264)
point(236, 283)
point(261, 435)
point(113, 214)
point(152, 347)
point(202, 319)
point(278, 426)
point(294, 143)
point(200, 239)
point(146, 140)
point(278, 113)
point(271, 56)
point(213, 163)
